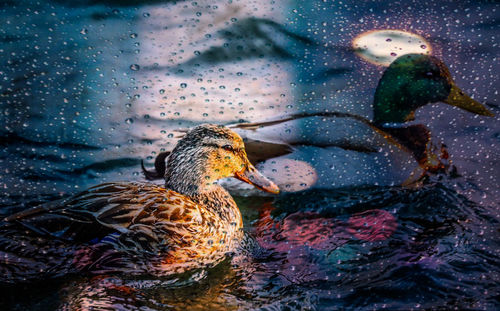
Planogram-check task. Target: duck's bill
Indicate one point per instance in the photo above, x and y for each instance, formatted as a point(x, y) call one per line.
point(252, 176)
point(458, 98)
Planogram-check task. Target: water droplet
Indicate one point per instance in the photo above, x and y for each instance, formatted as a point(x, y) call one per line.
point(135, 67)
point(388, 40)
point(84, 31)
point(162, 91)
point(129, 120)
point(423, 46)
point(146, 14)
point(183, 85)
point(393, 54)
point(133, 35)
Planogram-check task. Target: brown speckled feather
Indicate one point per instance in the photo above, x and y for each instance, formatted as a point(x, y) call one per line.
point(139, 219)
point(138, 228)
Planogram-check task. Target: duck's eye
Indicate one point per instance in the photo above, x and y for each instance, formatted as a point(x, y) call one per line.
point(228, 147)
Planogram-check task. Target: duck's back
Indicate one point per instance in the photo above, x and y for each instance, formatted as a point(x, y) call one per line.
point(133, 227)
point(329, 152)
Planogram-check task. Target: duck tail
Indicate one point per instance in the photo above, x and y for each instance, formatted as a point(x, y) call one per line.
point(160, 167)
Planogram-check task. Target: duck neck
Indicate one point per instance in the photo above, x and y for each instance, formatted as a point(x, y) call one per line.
point(191, 182)
point(203, 191)
point(194, 184)
point(414, 137)
point(219, 201)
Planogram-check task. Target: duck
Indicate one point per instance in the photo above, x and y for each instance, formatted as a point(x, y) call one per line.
point(339, 149)
point(139, 227)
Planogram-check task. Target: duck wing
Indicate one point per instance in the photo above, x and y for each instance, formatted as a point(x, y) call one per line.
point(131, 211)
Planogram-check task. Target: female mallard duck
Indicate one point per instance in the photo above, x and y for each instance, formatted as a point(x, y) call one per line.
point(330, 150)
point(138, 227)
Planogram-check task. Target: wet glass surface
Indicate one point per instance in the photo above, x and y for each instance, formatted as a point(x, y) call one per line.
point(91, 88)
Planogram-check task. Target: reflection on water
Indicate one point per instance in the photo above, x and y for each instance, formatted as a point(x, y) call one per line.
point(89, 89)
point(427, 247)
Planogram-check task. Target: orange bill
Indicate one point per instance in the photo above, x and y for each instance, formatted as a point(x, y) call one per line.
point(252, 176)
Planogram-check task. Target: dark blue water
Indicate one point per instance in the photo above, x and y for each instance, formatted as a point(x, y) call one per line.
point(90, 88)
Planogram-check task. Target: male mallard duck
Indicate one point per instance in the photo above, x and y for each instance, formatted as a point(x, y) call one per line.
point(341, 149)
point(139, 227)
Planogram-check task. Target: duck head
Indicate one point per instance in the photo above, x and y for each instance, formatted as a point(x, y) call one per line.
point(414, 80)
point(206, 154)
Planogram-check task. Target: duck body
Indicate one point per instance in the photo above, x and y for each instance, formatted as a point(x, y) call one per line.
point(329, 151)
point(134, 227)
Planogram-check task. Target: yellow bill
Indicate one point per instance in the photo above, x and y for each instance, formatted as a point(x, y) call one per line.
point(458, 98)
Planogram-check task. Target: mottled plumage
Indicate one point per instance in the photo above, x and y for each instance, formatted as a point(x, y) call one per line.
point(138, 227)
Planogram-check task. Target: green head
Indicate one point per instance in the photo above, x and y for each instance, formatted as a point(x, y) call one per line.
point(414, 80)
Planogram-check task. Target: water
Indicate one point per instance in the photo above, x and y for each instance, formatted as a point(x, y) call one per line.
point(90, 89)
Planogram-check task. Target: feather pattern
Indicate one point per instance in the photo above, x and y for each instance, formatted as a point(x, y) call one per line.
point(136, 227)
point(132, 221)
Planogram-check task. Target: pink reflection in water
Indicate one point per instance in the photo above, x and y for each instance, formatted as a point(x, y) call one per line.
point(312, 230)
point(297, 236)
point(372, 225)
